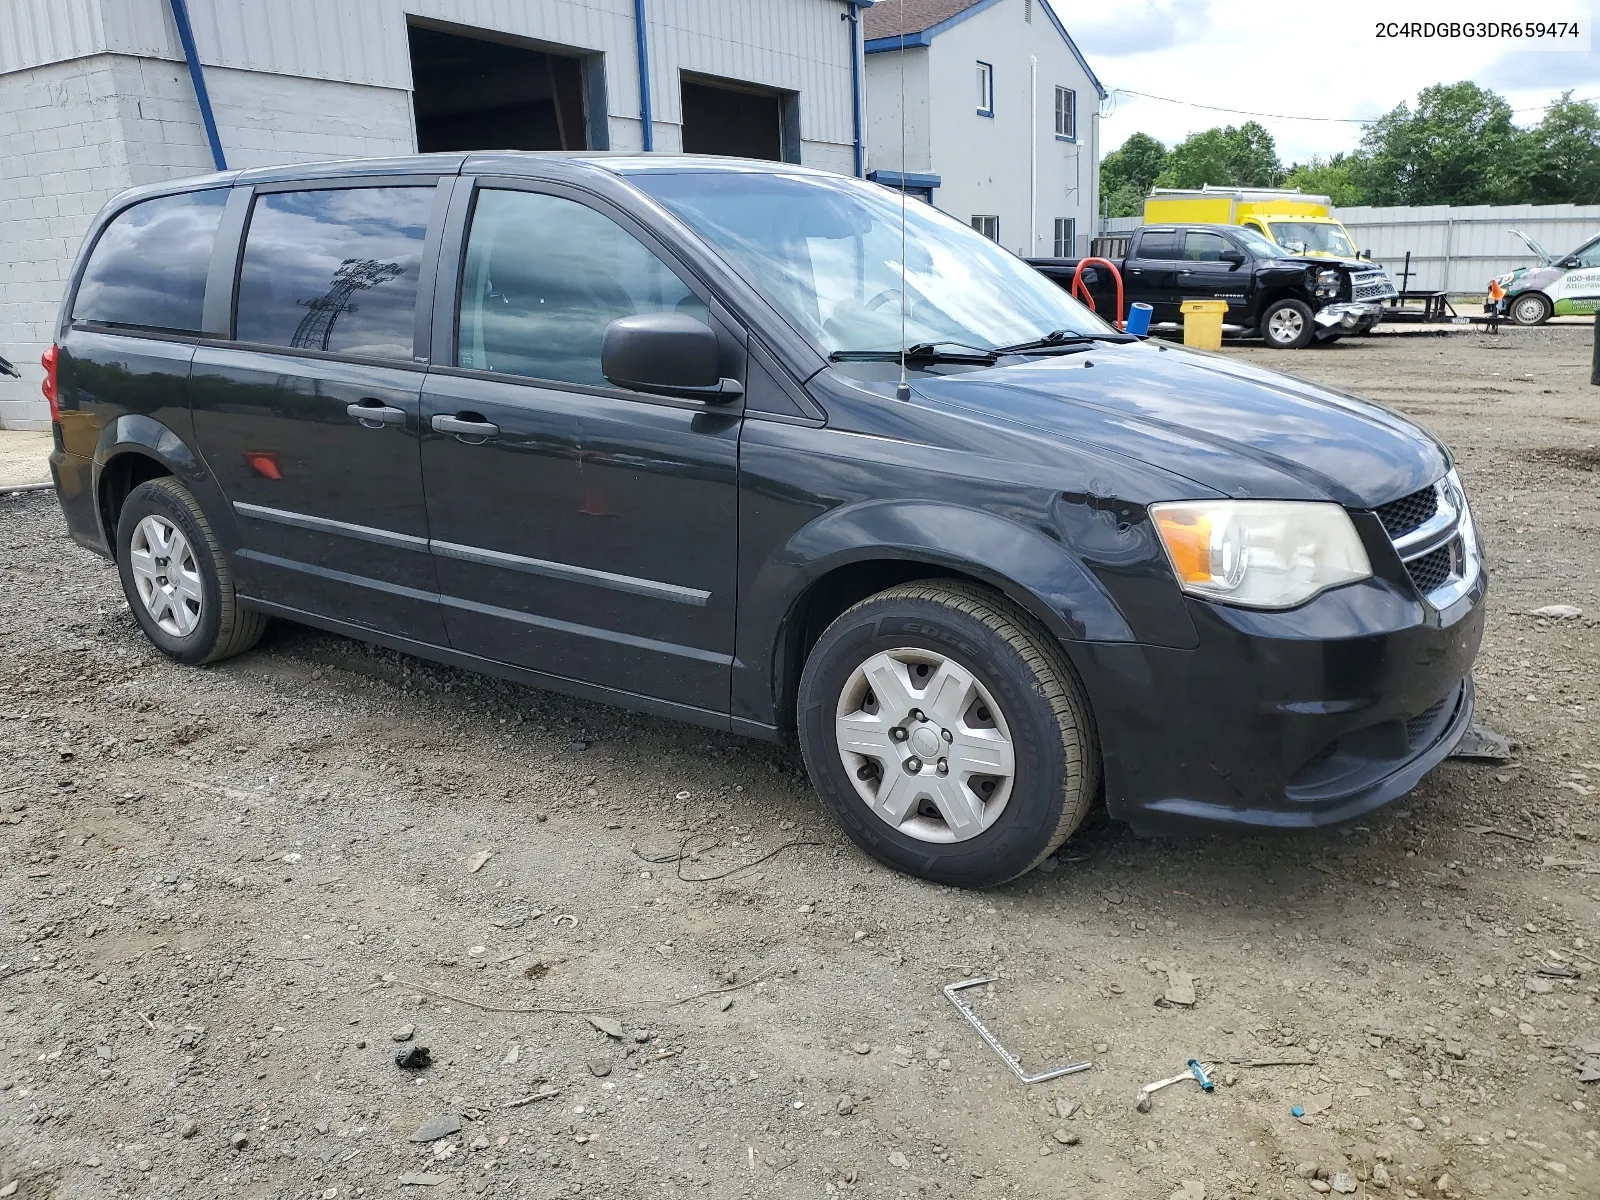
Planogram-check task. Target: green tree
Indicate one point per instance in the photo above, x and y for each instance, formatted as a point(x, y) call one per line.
point(1458, 147)
point(1128, 173)
point(1233, 156)
point(1334, 177)
point(1559, 158)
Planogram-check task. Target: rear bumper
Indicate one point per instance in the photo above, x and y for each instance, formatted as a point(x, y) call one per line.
point(74, 479)
point(1284, 720)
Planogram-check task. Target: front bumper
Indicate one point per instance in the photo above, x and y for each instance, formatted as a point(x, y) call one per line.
point(1348, 317)
point(1285, 720)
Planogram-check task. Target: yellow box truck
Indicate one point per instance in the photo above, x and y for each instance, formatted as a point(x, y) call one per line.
point(1298, 222)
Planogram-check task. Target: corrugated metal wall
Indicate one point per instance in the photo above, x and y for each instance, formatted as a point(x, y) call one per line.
point(1461, 249)
point(796, 45)
point(1455, 249)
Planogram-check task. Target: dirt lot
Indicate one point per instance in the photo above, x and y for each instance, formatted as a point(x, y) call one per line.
point(226, 891)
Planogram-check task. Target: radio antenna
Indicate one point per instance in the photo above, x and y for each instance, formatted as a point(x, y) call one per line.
point(902, 390)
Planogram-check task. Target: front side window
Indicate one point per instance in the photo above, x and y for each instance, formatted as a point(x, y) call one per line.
point(985, 90)
point(148, 269)
point(1588, 256)
point(827, 253)
point(334, 269)
point(1066, 236)
point(543, 278)
point(1066, 113)
point(1312, 237)
point(1200, 246)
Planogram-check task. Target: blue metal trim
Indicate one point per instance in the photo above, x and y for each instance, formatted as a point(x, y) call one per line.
point(180, 16)
point(854, 17)
point(1073, 46)
point(912, 41)
point(642, 38)
point(911, 179)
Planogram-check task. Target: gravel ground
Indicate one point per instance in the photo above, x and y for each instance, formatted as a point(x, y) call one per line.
point(227, 892)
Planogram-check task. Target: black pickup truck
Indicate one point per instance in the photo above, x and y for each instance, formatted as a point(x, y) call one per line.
point(1288, 300)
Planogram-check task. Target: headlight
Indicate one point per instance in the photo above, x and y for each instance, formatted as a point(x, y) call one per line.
point(1328, 277)
point(1260, 553)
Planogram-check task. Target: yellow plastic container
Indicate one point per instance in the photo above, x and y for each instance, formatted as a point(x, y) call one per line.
point(1202, 323)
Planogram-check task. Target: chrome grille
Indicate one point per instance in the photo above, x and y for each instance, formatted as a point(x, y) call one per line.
point(1434, 535)
point(1371, 285)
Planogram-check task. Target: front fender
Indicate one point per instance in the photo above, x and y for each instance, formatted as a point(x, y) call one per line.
point(1032, 569)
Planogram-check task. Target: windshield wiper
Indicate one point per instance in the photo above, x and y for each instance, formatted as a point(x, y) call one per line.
point(920, 352)
point(1062, 337)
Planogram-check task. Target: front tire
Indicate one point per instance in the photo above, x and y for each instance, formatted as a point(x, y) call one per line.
point(1287, 325)
point(176, 578)
point(948, 733)
point(1533, 308)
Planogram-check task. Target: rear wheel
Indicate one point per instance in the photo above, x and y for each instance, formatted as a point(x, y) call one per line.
point(1287, 325)
point(176, 577)
point(948, 733)
point(1531, 309)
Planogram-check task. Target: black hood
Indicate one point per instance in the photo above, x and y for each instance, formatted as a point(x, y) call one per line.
point(1238, 430)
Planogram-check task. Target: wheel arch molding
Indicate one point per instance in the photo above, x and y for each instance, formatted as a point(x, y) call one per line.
point(125, 441)
point(853, 552)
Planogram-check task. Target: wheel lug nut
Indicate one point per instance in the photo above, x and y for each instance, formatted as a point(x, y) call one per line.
point(916, 715)
point(913, 765)
point(898, 734)
point(947, 735)
point(944, 767)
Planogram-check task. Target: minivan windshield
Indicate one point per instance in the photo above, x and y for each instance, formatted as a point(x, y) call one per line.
point(1312, 237)
point(827, 252)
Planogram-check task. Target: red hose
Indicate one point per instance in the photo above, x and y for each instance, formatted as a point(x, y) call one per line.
point(1080, 290)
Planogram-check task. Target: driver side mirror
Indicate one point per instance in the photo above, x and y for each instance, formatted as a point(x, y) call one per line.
point(665, 354)
point(1366, 254)
point(1234, 258)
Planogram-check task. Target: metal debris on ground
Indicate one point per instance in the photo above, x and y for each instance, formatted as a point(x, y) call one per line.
point(1011, 1060)
point(685, 854)
point(1196, 1070)
point(1482, 744)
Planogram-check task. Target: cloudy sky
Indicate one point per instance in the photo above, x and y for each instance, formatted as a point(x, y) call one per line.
point(1304, 60)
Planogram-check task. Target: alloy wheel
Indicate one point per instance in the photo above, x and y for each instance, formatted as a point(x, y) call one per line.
point(166, 575)
point(1285, 325)
point(925, 744)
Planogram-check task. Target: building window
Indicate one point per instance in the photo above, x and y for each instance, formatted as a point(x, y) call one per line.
point(1066, 113)
point(1066, 236)
point(985, 90)
point(988, 226)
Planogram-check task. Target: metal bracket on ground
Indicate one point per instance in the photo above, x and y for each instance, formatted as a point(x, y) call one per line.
point(1011, 1060)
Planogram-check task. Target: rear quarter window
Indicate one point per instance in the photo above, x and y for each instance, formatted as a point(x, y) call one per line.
point(148, 268)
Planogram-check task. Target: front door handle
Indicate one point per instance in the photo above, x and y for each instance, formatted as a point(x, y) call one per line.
point(468, 427)
point(375, 414)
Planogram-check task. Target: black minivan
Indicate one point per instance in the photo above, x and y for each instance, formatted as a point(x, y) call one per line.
point(640, 429)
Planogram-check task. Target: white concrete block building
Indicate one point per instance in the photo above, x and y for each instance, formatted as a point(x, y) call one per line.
point(1001, 117)
point(100, 95)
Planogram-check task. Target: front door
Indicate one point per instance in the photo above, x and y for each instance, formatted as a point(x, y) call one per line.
point(1202, 275)
point(578, 529)
point(309, 416)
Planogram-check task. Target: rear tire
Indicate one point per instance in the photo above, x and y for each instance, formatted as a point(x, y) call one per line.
point(1287, 325)
point(176, 578)
point(979, 759)
point(1533, 308)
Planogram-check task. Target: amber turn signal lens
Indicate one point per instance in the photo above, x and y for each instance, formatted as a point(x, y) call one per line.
point(1188, 539)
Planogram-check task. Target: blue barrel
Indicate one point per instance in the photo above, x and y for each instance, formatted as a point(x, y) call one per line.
point(1138, 322)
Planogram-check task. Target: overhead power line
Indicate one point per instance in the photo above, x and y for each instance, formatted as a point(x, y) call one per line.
point(1241, 112)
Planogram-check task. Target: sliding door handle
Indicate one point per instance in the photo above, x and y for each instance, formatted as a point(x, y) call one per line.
point(375, 414)
point(467, 427)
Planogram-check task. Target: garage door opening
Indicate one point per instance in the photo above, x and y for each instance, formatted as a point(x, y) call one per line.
point(473, 93)
point(720, 117)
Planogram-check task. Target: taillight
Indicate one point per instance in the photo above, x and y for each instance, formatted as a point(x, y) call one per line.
point(48, 361)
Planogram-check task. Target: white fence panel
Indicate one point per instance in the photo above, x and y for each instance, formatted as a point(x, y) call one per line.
point(1453, 249)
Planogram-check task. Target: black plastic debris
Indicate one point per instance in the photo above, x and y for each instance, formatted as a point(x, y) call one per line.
point(413, 1058)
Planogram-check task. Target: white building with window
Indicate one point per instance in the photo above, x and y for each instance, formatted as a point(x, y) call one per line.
point(999, 123)
point(99, 95)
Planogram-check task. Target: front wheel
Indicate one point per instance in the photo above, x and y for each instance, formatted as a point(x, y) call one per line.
point(948, 733)
point(1531, 309)
point(1287, 325)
